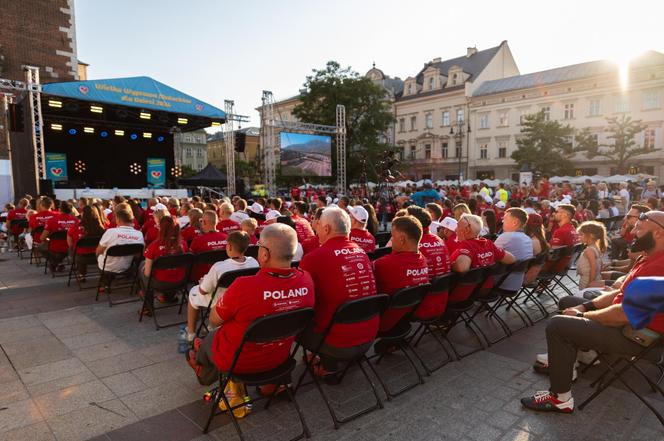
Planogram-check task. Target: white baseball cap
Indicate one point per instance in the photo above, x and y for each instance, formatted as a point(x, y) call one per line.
point(449, 223)
point(500, 204)
point(272, 214)
point(359, 213)
point(488, 199)
point(433, 228)
point(256, 208)
point(159, 206)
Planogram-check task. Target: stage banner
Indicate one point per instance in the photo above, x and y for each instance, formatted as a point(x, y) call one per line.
point(56, 166)
point(156, 172)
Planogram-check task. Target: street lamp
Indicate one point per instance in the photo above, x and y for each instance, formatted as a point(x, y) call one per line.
point(458, 131)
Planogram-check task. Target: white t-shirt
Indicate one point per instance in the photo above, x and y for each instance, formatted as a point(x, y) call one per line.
point(299, 253)
point(624, 194)
point(209, 281)
point(118, 236)
point(239, 216)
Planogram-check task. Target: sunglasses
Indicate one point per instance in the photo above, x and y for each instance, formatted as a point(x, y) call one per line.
point(644, 217)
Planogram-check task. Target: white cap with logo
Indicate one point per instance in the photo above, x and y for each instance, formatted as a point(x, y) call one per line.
point(256, 208)
point(359, 213)
point(272, 214)
point(450, 223)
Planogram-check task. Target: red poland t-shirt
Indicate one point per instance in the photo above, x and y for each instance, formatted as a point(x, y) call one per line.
point(438, 260)
point(189, 233)
point(271, 291)
point(210, 241)
point(302, 228)
point(562, 237)
point(38, 219)
point(394, 272)
point(364, 239)
point(341, 272)
point(482, 253)
point(310, 245)
point(227, 226)
point(60, 222)
point(16, 213)
point(155, 250)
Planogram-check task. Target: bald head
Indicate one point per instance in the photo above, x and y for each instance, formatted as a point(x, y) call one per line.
point(280, 242)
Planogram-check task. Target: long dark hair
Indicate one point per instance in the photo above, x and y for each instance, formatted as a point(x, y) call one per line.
point(90, 221)
point(537, 231)
point(490, 218)
point(169, 235)
point(372, 222)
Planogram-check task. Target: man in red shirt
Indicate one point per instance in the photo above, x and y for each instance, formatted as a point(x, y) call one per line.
point(41, 217)
point(225, 224)
point(403, 268)
point(341, 271)
point(544, 188)
point(17, 214)
point(447, 232)
point(276, 288)
point(209, 240)
point(565, 235)
point(313, 243)
point(474, 251)
point(302, 225)
point(57, 248)
point(358, 229)
point(598, 324)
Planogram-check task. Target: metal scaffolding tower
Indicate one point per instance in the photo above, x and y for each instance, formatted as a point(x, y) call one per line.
point(229, 143)
point(37, 123)
point(341, 149)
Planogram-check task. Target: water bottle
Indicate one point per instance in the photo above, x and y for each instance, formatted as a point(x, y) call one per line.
point(183, 343)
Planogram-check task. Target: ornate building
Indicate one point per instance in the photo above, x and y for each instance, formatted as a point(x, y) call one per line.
point(216, 148)
point(193, 149)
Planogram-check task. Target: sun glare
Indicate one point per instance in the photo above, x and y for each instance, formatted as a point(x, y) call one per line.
point(623, 70)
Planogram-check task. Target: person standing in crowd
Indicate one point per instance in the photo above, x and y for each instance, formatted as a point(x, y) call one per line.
point(123, 234)
point(516, 242)
point(341, 271)
point(597, 324)
point(589, 264)
point(90, 226)
point(502, 195)
point(625, 197)
point(201, 294)
point(426, 195)
point(358, 231)
point(250, 298)
point(651, 191)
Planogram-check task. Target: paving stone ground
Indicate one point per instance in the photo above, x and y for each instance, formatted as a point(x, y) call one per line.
point(75, 369)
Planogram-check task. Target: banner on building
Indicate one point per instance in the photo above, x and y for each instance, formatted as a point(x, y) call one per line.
point(56, 166)
point(156, 172)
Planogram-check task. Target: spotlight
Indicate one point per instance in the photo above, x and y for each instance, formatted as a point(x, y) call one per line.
point(89, 129)
point(96, 109)
point(56, 126)
point(147, 135)
point(119, 132)
point(72, 131)
point(133, 136)
point(160, 139)
point(145, 115)
point(176, 171)
point(183, 120)
point(104, 134)
point(215, 124)
point(135, 168)
point(55, 103)
point(79, 166)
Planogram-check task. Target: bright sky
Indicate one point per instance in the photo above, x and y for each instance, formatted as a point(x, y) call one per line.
point(218, 49)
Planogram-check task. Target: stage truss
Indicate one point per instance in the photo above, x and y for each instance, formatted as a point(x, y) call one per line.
point(229, 144)
point(272, 124)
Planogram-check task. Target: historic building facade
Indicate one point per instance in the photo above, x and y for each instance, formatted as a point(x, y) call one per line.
point(216, 148)
point(193, 149)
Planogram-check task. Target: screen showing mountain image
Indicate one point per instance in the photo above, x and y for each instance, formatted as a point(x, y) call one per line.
point(306, 155)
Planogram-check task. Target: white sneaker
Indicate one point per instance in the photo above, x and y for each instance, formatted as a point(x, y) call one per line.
point(586, 357)
point(542, 359)
point(191, 336)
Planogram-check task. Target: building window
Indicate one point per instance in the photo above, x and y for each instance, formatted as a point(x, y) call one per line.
point(503, 119)
point(459, 116)
point(444, 151)
point(402, 124)
point(410, 89)
point(484, 151)
point(622, 104)
point(484, 121)
point(413, 123)
point(457, 149)
point(569, 111)
point(401, 154)
point(432, 82)
point(650, 100)
point(502, 149)
point(188, 152)
point(454, 79)
point(412, 152)
point(427, 151)
point(522, 117)
point(594, 108)
point(649, 139)
point(547, 113)
point(429, 120)
point(446, 118)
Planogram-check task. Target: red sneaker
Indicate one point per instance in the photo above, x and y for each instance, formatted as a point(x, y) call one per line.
point(546, 401)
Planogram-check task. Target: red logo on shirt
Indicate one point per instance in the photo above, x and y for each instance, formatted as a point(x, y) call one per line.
point(156, 174)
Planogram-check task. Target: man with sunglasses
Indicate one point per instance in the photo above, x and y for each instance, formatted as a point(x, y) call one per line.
point(598, 324)
point(619, 244)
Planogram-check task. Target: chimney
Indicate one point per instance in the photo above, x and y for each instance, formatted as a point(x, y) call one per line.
point(436, 60)
point(471, 51)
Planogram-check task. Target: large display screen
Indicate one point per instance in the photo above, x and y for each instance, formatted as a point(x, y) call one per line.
point(306, 155)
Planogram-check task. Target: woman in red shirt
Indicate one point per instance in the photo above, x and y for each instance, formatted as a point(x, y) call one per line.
point(168, 242)
point(91, 225)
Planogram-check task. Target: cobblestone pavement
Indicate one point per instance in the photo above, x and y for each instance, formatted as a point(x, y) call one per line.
point(73, 369)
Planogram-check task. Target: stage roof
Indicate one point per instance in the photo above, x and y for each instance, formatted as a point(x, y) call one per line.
point(141, 92)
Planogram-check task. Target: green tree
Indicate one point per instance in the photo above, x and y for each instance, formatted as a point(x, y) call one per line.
point(187, 171)
point(545, 146)
point(368, 114)
point(622, 146)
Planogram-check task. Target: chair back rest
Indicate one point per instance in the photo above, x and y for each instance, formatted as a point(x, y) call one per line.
point(538, 260)
point(520, 266)
point(442, 283)
point(279, 326)
point(408, 297)
point(379, 252)
point(88, 242)
point(229, 277)
point(495, 272)
point(173, 261)
point(128, 249)
point(252, 251)
point(554, 254)
point(19, 223)
point(360, 310)
point(58, 235)
point(210, 257)
point(464, 285)
point(382, 238)
point(39, 229)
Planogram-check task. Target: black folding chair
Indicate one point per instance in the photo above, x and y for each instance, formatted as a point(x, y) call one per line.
point(60, 235)
point(20, 225)
point(252, 251)
point(527, 292)
point(181, 261)
point(615, 371)
point(440, 287)
point(571, 253)
point(106, 278)
point(408, 299)
point(269, 329)
point(354, 311)
point(224, 281)
point(382, 238)
point(35, 255)
point(84, 242)
point(486, 297)
point(379, 252)
point(208, 258)
point(543, 283)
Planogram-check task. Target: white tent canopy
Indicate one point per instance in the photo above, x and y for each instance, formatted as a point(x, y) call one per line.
point(615, 179)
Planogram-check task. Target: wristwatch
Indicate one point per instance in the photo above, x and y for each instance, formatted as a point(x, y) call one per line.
point(579, 314)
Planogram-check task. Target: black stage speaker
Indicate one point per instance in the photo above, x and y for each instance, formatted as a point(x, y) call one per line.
point(46, 188)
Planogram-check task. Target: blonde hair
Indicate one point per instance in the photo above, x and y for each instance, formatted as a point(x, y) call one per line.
point(250, 222)
point(459, 210)
point(597, 231)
